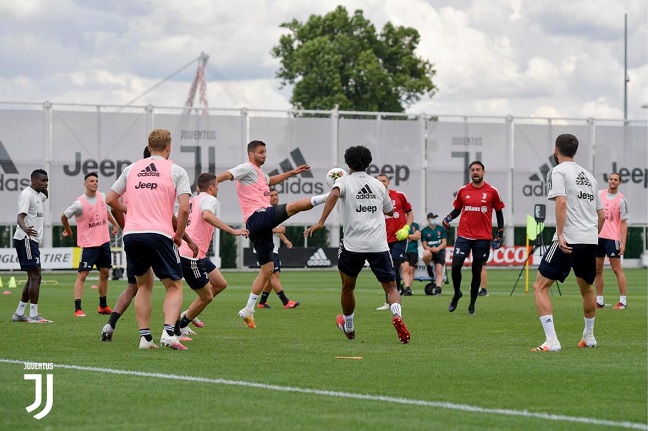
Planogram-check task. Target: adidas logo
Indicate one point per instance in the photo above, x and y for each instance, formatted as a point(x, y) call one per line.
point(366, 193)
point(319, 258)
point(8, 166)
point(582, 180)
point(149, 171)
point(539, 186)
point(286, 164)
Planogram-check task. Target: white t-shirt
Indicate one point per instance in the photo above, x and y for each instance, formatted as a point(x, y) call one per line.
point(583, 201)
point(76, 209)
point(364, 200)
point(30, 203)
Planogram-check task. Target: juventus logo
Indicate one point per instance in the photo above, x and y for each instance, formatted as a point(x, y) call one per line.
point(38, 398)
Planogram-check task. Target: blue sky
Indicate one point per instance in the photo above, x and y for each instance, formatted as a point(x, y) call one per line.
point(548, 58)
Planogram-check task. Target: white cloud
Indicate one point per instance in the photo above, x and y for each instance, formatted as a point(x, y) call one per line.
point(493, 57)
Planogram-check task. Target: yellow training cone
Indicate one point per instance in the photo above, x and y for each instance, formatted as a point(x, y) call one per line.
point(1, 282)
point(12, 283)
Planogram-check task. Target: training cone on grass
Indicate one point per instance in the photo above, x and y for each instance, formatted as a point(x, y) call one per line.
point(12, 283)
point(94, 286)
point(1, 285)
point(6, 292)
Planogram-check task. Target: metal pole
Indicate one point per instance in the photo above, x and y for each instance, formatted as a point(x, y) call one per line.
point(625, 70)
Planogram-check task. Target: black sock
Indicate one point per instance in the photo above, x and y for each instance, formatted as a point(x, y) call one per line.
point(184, 322)
point(77, 304)
point(170, 330)
point(264, 297)
point(283, 297)
point(102, 302)
point(146, 333)
point(176, 328)
point(114, 317)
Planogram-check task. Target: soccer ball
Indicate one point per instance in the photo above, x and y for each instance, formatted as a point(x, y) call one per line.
point(333, 175)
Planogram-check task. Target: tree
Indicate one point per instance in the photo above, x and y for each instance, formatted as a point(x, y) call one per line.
point(340, 60)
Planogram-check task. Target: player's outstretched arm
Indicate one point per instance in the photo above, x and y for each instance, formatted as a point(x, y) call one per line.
point(276, 179)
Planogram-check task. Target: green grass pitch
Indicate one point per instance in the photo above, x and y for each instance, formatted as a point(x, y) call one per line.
point(459, 372)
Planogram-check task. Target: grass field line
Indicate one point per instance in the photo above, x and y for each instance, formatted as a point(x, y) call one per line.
point(336, 394)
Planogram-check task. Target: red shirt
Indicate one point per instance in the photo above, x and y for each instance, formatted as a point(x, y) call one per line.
point(476, 206)
point(398, 219)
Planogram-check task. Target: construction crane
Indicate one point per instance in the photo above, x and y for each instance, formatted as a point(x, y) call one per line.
point(199, 84)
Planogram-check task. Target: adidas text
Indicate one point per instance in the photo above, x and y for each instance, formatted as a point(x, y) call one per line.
point(148, 174)
point(318, 258)
point(142, 185)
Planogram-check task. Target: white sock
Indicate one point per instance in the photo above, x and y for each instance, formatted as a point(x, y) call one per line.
point(21, 308)
point(396, 309)
point(251, 302)
point(33, 310)
point(589, 326)
point(348, 323)
point(622, 300)
point(548, 326)
point(319, 199)
point(599, 300)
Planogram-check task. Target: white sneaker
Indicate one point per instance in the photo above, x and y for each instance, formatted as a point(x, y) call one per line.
point(147, 344)
point(546, 347)
point(107, 332)
point(248, 317)
point(187, 331)
point(19, 318)
point(195, 321)
point(587, 341)
point(385, 306)
point(171, 341)
point(38, 319)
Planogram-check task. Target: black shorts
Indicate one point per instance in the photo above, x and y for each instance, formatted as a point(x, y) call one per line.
point(196, 271)
point(351, 263)
point(411, 257)
point(397, 249)
point(609, 248)
point(276, 261)
point(439, 257)
point(555, 264)
point(100, 256)
point(480, 248)
point(260, 224)
point(28, 253)
point(152, 250)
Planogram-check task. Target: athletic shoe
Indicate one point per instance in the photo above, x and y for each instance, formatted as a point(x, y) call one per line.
point(401, 329)
point(104, 310)
point(187, 331)
point(401, 290)
point(171, 341)
point(407, 292)
point(453, 302)
point(599, 305)
point(483, 292)
point(546, 347)
point(196, 321)
point(19, 318)
point(587, 341)
point(146, 344)
point(79, 313)
point(247, 317)
point(263, 305)
point(184, 338)
point(620, 306)
point(339, 321)
point(107, 332)
point(385, 306)
point(38, 319)
point(471, 310)
point(292, 304)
